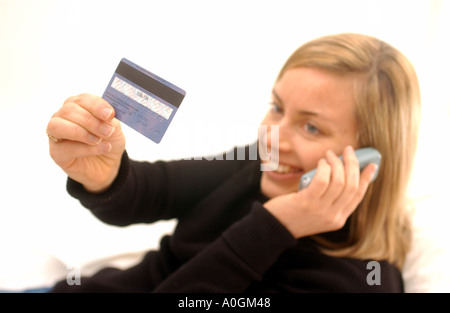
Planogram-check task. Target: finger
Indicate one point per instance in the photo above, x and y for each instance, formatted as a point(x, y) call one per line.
point(352, 171)
point(321, 179)
point(368, 173)
point(67, 151)
point(95, 105)
point(338, 179)
point(352, 181)
point(364, 182)
point(82, 117)
point(67, 130)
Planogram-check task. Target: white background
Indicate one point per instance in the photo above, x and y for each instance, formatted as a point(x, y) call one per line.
point(225, 54)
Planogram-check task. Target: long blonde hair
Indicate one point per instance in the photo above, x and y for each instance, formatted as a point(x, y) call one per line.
point(387, 111)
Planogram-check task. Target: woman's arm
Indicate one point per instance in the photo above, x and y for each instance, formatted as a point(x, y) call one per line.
point(242, 255)
point(145, 192)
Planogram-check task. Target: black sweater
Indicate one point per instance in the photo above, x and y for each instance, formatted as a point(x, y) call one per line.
point(225, 240)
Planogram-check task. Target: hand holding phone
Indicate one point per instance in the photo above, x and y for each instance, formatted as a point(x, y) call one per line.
point(365, 156)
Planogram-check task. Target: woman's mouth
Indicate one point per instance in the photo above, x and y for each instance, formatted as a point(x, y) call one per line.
point(286, 169)
point(284, 172)
point(280, 179)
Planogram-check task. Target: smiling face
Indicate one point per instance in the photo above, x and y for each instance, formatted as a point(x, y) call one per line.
point(315, 112)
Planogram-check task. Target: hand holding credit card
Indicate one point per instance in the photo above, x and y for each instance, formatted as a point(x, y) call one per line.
point(143, 100)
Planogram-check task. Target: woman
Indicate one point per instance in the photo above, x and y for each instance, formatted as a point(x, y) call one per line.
point(245, 230)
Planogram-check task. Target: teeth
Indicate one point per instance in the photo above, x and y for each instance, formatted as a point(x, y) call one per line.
point(283, 169)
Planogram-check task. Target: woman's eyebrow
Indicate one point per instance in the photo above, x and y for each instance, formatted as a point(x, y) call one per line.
point(307, 113)
point(298, 113)
point(277, 97)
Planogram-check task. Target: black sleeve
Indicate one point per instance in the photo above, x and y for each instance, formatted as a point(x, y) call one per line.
point(239, 257)
point(145, 192)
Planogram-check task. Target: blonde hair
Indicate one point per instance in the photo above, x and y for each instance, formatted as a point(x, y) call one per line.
point(387, 111)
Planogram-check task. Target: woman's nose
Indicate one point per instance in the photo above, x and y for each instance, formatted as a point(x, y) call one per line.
point(284, 137)
point(276, 136)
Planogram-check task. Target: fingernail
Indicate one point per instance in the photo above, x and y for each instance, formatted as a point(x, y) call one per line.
point(106, 130)
point(105, 147)
point(349, 148)
point(374, 170)
point(106, 113)
point(94, 139)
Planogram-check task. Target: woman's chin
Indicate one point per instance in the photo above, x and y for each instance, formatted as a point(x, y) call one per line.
point(272, 185)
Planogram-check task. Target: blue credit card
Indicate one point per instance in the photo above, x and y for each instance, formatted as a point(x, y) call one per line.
point(143, 100)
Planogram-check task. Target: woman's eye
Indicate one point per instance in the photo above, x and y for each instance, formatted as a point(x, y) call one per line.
point(311, 129)
point(275, 108)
